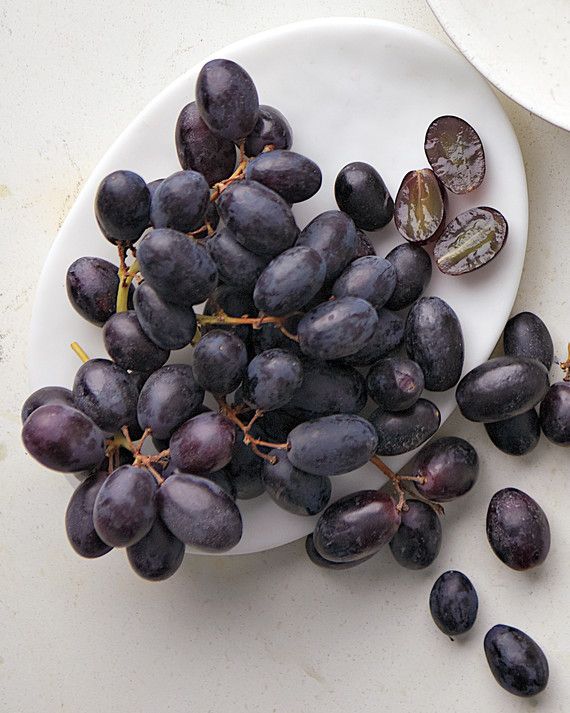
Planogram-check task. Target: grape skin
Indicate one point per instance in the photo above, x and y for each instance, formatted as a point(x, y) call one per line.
point(526, 335)
point(516, 661)
point(417, 542)
point(245, 467)
point(295, 177)
point(271, 379)
point(235, 303)
point(129, 346)
point(333, 235)
point(372, 278)
point(320, 561)
point(360, 191)
point(180, 202)
point(450, 466)
point(387, 336)
point(202, 444)
point(158, 555)
point(555, 414)
point(453, 603)
point(167, 325)
point(79, 518)
point(220, 362)
point(46, 395)
point(395, 383)
point(516, 436)
point(122, 207)
point(271, 129)
point(413, 273)
point(403, 431)
point(292, 489)
point(92, 284)
point(237, 266)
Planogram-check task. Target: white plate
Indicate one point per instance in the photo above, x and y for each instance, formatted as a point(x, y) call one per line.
point(353, 89)
point(522, 47)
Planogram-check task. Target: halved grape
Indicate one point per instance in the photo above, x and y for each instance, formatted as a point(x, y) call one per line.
point(419, 212)
point(92, 285)
point(555, 414)
point(295, 177)
point(292, 489)
point(79, 518)
point(360, 191)
point(271, 129)
point(122, 207)
point(526, 335)
point(516, 661)
point(403, 431)
point(202, 444)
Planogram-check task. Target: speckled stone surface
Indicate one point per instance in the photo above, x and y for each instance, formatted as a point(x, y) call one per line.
point(265, 633)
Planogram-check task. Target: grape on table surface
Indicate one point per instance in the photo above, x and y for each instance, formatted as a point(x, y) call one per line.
point(526, 335)
point(158, 555)
point(517, 435)
point(516, 661)
point(555, 414)
point(453, 603)
point(320, 561)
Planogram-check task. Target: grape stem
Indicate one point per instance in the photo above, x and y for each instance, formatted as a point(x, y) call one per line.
point(255, 322)
point(126, 276)
point(400, 483)
point(124, 440)
point(237, 175)
point(565, 366)
point(81, 353)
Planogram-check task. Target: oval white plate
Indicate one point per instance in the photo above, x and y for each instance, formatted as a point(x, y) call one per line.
point(353, 90)
point(522, 47)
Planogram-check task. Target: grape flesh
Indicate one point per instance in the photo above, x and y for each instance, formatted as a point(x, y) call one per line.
point(387, 336)
point(271, 379)
point(294, 490)
point(180, 202)
point(333, 235)
point(125, 506)
point(202, 444)
point(453, 603)
point(92, 284)
point(526, 335)
point(199, 513)
point(320, 561)
point(356, 526)
point(555, 414)
point(295, 177)
point(419, 208)
point(167, 325)
point(372, 278)
point(517, 529)
point(395, 383)
point(403, 431)
point(516, 661)
point(332, 445)
point(271, 129)
point(516, 436)
point(46, 395)
point(128, 345)
point(450, 466)
point(122, 207)
point(220, 362)
point(413, 273)
point(158, 555)
point(417, 542)
point(79, 518)
point(237, 266)
point(360, 191)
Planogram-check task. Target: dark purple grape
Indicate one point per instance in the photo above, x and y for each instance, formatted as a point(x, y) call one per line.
point(237, 266)
point(271, 129)
point(337, 329)
point(403, 431)
point(356, 526)
point(202, 444)
point(434, 340)
point(245, 468)
point(526, 335)
point(259, 218)
point(516, 436)
point(220, 362)
point(153, 185)
point(79, 518)
point(328, 388)
point(320, 561)
point(158, 555)
point(295, 177)
point(92, 284)
point(294, 490)
point(555, 414)
point(501, 388)
point(167, 325)
point(169, 397)
point(517, 529)
point(125, 507)
point(105, 392)
point(290, 280)
point(333, 235)
point(129, 346)
point(223, 479)
point(516, 661)
point(372, 278)
point(455, 152)
point(360, 191)
point(234, 303)
point(180, 202)
point(122, 207)
point(176, 267)
point(199, 513)
point(277, 425)
point(395, 383)
point(387, 336)
point(419, 209)
point(271, 379)
point(453, 603)
point(470, 241)
point(417, 542)
point(46, 395)
point(413, 273)
point(200, 150)
point(269, 336)
point(450, 467)
point(227, 100)
point(363, 245)
point(332, 445)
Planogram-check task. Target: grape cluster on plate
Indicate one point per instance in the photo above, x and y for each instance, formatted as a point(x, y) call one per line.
point(299, 329)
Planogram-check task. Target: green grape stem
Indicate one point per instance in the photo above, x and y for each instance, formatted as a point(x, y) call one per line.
point(255, 322)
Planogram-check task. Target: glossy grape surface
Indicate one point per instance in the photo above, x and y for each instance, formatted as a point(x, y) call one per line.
point(294, 490)
point(46, 395)
point(516, 436)
point(413, 273)
point(455, 152)
point(271, 129)
point(360, 191)
point(555, 414)
point(320, 561)
point(419, 208)
point(202, 444)
point(402, 431)
point(79, 518)
point(395, 383)
point(450, 466)
point(269, 336)
point(158, 555)
point(166, 324)
point(295, 177)
point(271, 379)
point(92, 285)
point(220, 361)
point(122, 207)
point(372, 278)
point(516, 661)
point(453, 603)
point(333, 235)
point(417, 542)
point(128, 345)
point(387, 336)
point(517, 529)
point(526, 335)
point(245, 468)
point(237, 266)
point(363, 245)
point(180, 202)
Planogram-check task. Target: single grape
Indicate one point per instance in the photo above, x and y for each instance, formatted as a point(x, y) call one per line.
point(294, 490)
point(387, 336)
point(413, 273)
point(177, 268)
point(501, 388)
point(167, 325)
point(403, 431)
point(79, 518)
point(372, 278)
point(360, 191)
point(395, 383)
point(122, 207)
point(356, 526)
point(169, 397)
point(516, 436)
point(200, 150)
point(227, 100)
point(199, 513)
point(419, 209)
point(295, 177)
point(333, 235)
point(555, 414)
point(234, 303)
point(455, 152)
point(259, 218)
point(516, 661)
point(180, 202)
point(158, 555)
point(517, 529)
point(129, 346)
point(289, 281)
point(363, 245)
point(271, 379)
point(332, 445)
point(453, 603)
point(92, 284)
point(125, 507)
point(220, 362)
point(237, 266)
point(434, 340)
point(450, 467)
point(320, 561)
point(246, 467)
point(271, 129)
point(202, 444)
point(526, 335)
point(337, 329)
point(46, 395)
point(417, 542)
